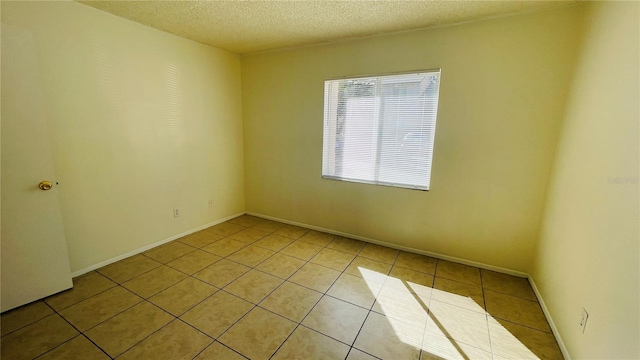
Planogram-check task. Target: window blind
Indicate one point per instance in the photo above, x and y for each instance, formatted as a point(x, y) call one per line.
point(380, 130)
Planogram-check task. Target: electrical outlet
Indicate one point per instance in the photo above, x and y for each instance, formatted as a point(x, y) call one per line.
point(583, 319)
point(176, 212)
point(210, 203)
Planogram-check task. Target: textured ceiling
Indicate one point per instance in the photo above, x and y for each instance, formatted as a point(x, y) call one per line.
point(245, 27)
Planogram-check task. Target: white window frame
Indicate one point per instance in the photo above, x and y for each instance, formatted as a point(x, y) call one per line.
point(352, 123)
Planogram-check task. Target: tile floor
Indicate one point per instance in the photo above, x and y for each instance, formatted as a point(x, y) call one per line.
point(259, 289)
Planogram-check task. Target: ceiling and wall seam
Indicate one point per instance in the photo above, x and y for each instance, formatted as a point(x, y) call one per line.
point(256, 27)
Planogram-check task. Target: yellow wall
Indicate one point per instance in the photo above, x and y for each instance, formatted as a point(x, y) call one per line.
point(588, 253)
point(141, 122)
point(502, 96)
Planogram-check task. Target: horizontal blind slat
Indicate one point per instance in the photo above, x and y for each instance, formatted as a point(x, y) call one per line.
point(380, 130)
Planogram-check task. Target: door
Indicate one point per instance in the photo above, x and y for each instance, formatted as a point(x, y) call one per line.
point(34, 261)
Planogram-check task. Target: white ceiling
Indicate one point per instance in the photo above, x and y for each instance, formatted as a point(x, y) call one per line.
point(245, 27)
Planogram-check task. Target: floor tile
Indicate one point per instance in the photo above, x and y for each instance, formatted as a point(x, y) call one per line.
point(253, 286)
point(217, 313)
point(182, 296)
point(268, 226)
point(259, 334)
point(515, 309)
point(349, 246)
point(174, 341)
point(416, 262)
point(194, 262)
point(200, 239)
point(313, 297)
point(249, 235)
point(512, 341)
point(356, 354)
point(317, 238)
point(507, 284)
point(291, 301)
point(251, 255)
point(368, 269)
point(88, 313)
point(336, 318)
point(403, 305)
point(169, 251)
point(291, 231)
point(20, 317)
point(218, 351)
point(83, 287)
point(463, 325)
point(413, 281)
point(156, 280)
point(379, 253)
point(224, 247)
point(301, 250)
point(333, 259)
point(388, 338)
point(458, 272)
point(273, 242)
point(246, 220)
point(315, 277)
point(459, 294)
point(77, 348)
point(355, 290)
point(308, 344)
point(221, 273)
point(281, 265)
point(36, 338)
point(438, 347)
point(225, 228)
point(126, 329)
point(128, 268)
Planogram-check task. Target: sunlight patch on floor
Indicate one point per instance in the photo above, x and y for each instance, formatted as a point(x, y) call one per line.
point(452, 327)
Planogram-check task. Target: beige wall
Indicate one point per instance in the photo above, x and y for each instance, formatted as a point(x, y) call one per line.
point(502, 96)
point(141, 122)
point(588, 253)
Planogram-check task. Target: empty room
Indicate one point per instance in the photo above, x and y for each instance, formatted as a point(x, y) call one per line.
point(320, 180)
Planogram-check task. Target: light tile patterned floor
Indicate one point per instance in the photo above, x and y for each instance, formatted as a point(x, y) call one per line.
point(259, 289)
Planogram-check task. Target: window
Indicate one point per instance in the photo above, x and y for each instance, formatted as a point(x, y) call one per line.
point(380, 130)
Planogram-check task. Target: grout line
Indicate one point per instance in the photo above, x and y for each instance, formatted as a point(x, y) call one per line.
point(552, 325)
point(323, 293)
point(298, 323)
point(150, 246)
point(153, 332)
point(33, 322)
point(80, 333)
point(62, 343)
point(235, 351)
point(252, 268)
point(396, 246)
point(484, 302)
point(285, 340)
point(96, 294)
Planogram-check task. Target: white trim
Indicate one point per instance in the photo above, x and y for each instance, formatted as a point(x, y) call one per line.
point(399, 247)
point(150, 246)
point(554, 329)
point(547, 314)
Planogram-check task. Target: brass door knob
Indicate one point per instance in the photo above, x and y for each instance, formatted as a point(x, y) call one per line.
point(45, 185)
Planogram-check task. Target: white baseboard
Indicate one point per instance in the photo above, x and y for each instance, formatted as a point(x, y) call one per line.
point(554, 329)
point(399, 247)
point(150, 246)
